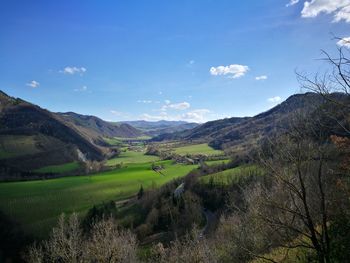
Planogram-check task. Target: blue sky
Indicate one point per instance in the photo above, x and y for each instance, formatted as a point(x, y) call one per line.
point(190, 60)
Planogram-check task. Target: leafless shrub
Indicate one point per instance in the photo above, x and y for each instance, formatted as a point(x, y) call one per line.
point(106, 243)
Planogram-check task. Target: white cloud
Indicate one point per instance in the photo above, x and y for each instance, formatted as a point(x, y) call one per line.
point(175, 106)
point(73, 70)
point(274, 99)
point(234, 70)
point(179, 106)
point(292, 2)
point(344, 42)
point(117, 113)
point(198, 115)
point(121, 115)
point(340, 9)
point(33, 84)
point(83, 88)
point(262, 77)
point(144, 101)
point(343, 14)
point(161, 116)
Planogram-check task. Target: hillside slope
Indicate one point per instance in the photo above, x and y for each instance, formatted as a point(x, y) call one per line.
point(32, 137)
point(98, 127)
point(156, 128)
point(243, 133)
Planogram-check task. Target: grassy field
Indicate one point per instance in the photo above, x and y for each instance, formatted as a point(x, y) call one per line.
point(231, 175)
point(61, 168)
point(216, 162)
point(121, 140)
point(197, 149)
point(132, 157)
point(37, 204)
point(16, 145)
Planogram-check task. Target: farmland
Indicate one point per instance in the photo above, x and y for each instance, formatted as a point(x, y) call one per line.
point(59, 169)
point(121, 140)
point(37, 204)
point(132, 157)
point(232, 175)
point(202, 148)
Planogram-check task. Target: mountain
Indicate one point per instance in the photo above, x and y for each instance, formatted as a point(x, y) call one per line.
point(243, 133)
point(32, 137)
point(155, 128)
point(98, 127)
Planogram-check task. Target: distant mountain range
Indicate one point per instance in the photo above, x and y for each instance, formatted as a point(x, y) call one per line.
point(155, 128)
point(32, 137)
point(98, 127)
point(243, 133)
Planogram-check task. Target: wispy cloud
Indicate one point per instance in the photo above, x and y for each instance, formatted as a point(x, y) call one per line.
point(262, 77)
point(344, 42)
point(175, 106)
point(73, 70)
point(198, 115)
point(292, 2)
point(83, 88)
point(340, 9)
point(233, 71)
point(145, 101)
point(117, 113)
point(190, 63)
point(274, 99)
point(121, 115)
point(33, 84)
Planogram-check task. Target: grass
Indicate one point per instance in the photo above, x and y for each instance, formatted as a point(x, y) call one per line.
point(37, 204)
point(197, 149)
point(16, 145)
point(139, 138)
point(132, 157)
point(120, 140)
point(216, 162)
point(233, 175)
point(59, 169)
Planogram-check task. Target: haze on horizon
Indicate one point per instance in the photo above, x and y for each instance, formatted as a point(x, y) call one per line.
point(180, 60)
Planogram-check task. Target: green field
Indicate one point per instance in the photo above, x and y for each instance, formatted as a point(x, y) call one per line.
point(231, 175)
point(132, 157)
point(121, 140)
point(59, 169)
point(37, 204)
point(216, 162)
point(16, 145)
point(202, 148)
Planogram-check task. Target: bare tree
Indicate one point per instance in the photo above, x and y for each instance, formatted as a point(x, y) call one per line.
point(67, 243)
point(108, 244)
point(299, 203)
point(337, 79)
point(192, 248)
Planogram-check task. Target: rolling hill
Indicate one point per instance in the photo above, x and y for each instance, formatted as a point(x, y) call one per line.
point(32, 137)
point(156, 128)
point(95, 126)
point(241, 134)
